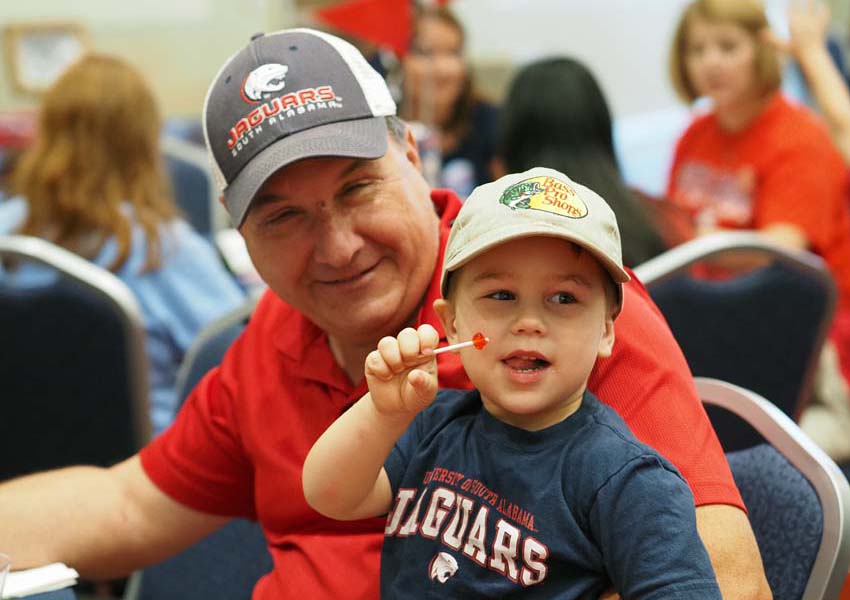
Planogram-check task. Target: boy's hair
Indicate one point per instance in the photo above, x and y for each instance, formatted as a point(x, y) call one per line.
point(747, 14)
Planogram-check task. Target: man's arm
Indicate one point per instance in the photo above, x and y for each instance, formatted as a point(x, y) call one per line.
point(103, 522)
point(731, 545)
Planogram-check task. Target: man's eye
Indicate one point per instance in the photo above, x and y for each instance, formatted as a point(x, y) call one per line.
point(501, 295)
point(562, 298)
point(279, 216)
point(355, 187)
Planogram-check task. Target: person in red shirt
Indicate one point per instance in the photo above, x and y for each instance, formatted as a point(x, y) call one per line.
point(325, 185)
point(756, 161)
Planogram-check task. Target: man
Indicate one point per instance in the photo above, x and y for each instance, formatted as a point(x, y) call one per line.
point(325, 186)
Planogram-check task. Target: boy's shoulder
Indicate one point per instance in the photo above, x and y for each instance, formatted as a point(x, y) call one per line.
point(449, 405)
point(607, 446)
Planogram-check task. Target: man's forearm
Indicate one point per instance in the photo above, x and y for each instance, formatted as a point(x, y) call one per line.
point(728, 538)
point(103, 522)
point(66, 515)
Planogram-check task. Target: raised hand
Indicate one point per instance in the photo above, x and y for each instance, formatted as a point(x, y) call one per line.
point(402, 378)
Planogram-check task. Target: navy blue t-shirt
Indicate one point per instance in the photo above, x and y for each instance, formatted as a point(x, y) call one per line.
point(483, 509)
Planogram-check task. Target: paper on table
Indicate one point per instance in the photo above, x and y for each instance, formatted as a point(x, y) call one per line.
point(40, 579)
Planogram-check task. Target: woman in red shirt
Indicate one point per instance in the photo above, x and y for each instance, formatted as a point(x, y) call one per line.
point(757, 161)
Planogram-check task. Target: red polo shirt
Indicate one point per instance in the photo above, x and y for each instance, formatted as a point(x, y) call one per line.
point(238, 445)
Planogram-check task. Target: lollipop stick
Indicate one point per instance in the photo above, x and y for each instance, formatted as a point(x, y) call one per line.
point(478, 341)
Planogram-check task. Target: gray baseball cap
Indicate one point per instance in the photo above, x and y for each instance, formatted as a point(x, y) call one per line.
point(536, 202)
point(287, 96)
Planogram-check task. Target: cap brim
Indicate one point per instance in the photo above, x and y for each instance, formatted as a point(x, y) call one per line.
point(500, 235)
point(361, 138)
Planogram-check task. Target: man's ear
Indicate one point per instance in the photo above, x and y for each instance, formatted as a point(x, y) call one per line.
point(411, 148)
point(606, 342)
point(445, 310)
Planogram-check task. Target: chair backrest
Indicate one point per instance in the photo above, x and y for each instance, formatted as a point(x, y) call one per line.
point(209, 347)
point(223, 566)
point(193, 185)
point(73, 367)
point(797, 498)
point(763, 330)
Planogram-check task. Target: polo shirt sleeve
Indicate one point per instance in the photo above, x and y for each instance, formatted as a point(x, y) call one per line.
point(644, 522)
point(199, 460)
point(647, 381)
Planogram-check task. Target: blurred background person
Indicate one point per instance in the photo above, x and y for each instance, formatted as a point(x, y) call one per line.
point(555, 115)
point(438, 92)
point(756, 161)
point(808, 24)
point(93, 182)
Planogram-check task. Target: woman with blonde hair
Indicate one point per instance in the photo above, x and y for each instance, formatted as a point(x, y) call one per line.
point(757, 161)
point(93, 182)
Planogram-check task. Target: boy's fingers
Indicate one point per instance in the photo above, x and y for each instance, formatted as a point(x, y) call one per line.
point(424, 384)
point(428, 337)
point(408, 342)
point(377, 367)
point(388, 347)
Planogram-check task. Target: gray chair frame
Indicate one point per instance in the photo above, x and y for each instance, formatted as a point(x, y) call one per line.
point(677, 260)
point(831, 565)
point(111, 288)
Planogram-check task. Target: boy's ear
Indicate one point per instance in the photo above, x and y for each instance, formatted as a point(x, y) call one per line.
point(606, 342)
point(446, 312)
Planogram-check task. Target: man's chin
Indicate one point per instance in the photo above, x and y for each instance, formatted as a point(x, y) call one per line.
point(366, 324)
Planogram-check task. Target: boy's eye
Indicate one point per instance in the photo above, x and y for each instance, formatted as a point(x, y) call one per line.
point(562, 298)
point(501, 295)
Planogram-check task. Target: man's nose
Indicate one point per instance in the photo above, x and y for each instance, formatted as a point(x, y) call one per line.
point(336, 241)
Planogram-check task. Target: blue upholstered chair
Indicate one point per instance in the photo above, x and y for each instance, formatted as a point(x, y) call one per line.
point(797, 498)
point(209, 347)
point(73, 367)
point(223, 566)
point(193, 186)
point(762, 330)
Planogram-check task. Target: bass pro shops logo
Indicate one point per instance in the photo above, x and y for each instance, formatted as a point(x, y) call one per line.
point(262, 81)
point(544, 193)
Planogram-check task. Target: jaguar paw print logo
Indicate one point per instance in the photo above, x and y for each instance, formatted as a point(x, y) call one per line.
point(544, 193)
point(442, 567)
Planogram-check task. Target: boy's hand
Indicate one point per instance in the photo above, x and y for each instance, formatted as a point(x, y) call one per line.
point(401, 380)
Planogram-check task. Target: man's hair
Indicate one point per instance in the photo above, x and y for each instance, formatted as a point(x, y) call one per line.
point(397, 129)
point(747, 14)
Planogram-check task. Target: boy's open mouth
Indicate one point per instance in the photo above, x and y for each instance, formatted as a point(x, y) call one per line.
point(525, 363)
